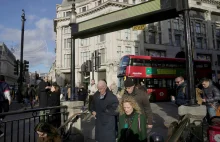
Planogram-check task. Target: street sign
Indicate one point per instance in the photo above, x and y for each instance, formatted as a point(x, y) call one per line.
point(138, 27)
point(143, 13)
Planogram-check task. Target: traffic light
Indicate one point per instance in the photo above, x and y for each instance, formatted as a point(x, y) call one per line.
point(97, 60)
point(16, 67)
point(88, 65)
point(26, 65)
point(83, 67)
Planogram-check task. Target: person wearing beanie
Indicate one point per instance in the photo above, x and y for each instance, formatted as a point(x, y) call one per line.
point(141, 98)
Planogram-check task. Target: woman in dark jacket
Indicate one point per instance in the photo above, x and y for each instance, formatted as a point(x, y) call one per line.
point(132, 124)
point(54, 100)
point(82, 94)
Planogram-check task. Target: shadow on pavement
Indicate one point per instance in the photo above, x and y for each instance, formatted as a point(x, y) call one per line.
point(169, 108)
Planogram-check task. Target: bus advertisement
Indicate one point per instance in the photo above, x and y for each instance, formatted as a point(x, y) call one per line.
point(158, 73)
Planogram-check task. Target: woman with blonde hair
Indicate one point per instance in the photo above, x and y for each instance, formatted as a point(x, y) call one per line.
point(132, 124)
point(47, 133)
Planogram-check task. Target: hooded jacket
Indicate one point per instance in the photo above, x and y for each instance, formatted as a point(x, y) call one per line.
point(211, 94)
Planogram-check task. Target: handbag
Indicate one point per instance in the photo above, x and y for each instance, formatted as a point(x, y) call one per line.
point(217, 110)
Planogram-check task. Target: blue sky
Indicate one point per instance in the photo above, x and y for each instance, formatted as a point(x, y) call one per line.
point(39, 41)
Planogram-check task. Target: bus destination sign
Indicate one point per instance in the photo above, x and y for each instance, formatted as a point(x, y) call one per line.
point(164, 71)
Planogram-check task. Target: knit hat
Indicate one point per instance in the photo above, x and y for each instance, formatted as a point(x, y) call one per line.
point(128, 82)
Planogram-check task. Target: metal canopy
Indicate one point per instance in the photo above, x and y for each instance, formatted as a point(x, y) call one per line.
point(146, 12)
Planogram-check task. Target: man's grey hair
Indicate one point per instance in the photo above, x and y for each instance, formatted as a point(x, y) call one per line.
point(102, 83)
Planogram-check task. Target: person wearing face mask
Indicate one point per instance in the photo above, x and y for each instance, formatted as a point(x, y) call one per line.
point(132, 126)
point(104, 109)
point(141, 98)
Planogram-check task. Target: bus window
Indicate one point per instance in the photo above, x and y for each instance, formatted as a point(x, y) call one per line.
point(137, 62)
point(147, 63)
point(124, 61)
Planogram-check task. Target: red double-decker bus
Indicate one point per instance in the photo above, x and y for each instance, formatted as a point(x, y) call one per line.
point(158, 73)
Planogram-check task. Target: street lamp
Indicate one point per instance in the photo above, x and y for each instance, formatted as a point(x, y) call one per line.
point(71, 24)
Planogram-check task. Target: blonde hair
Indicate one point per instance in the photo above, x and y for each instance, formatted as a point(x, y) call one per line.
point(131, 101)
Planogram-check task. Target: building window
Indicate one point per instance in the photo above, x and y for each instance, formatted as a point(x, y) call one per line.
point(176, 24)
point(218, 44)
point(156, 53)
point(204, 57)
point(99, 2)
point(127, 34)
point(66, 30)
point(125, 1)
point(85, 42)
point(85, 56)
point(128, 50)
point(205, 44)
point(102, 52)
point(199, 43)
point(169, 24)
point(218, 32)
point(119, 52)
point(67, 60)
point(170, 38)
point(136, 50)
point(152, 38)
point(84, 9)
point(101, 38)
point(67, 43)
point(198, 28)
point(204, 29)
point(119, 34)
point(218, 59)
point(134, 1)
point(178, 40)
point(160, 38)
point(135, 35)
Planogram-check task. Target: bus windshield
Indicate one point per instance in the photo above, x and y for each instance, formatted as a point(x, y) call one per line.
point(124, 61)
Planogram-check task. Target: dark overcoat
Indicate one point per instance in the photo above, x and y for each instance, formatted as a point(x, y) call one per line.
point(105, 116)
point(43, 94)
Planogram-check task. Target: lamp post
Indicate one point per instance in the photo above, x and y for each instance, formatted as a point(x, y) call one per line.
point(189, 55)
point(21, 57)
point(71, 24)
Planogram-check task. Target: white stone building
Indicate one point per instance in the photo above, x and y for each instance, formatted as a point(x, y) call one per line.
point(7, 64)
point(164, 38)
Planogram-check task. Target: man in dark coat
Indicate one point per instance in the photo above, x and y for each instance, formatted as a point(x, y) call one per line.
point(181, 91)
point(141, 98)
point(103, 108)
point(44, 87)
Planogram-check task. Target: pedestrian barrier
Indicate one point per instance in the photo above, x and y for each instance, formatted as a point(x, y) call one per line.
point(184, 130)
point(18, 126)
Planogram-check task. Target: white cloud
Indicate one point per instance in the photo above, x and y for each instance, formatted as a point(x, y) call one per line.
point(35, 42)
point(31, 18)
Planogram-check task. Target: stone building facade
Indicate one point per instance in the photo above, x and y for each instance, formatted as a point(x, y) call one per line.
point(163, 38)
point(7, 64)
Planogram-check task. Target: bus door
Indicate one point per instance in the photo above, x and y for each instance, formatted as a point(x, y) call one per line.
point(158, 89)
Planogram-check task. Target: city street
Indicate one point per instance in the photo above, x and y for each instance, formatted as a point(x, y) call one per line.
point(164, 113)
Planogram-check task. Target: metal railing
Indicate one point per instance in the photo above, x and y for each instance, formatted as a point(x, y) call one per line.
point(184, 130)
point(18, 126)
